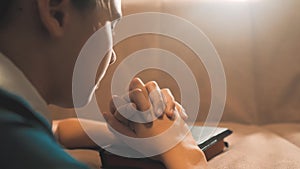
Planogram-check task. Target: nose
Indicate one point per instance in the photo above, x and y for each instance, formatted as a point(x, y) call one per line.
point(115, 9)
point(113, 57)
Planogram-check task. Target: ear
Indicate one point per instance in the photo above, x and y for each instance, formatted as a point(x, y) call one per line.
point(54, 16)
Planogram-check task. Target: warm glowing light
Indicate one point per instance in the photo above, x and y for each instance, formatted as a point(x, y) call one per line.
point(235, 0)
point(229, 0)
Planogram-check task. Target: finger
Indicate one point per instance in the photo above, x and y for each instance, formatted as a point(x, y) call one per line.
point(156, 98)
point(138, 83)
point(116, 102)
point(170, 110)
point(170, 102)
point(115, 126)
point(126, 98)
point(125, 112)
point(157, 102)
point(145, 114)
point(181, 111)
point(137, 97)
point(129, 114)
point(151, 86)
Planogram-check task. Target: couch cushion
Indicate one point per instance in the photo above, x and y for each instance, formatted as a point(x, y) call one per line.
point(288, 131)
point(259, 147)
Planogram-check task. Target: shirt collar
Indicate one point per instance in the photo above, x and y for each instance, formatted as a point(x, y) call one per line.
point(14, 81)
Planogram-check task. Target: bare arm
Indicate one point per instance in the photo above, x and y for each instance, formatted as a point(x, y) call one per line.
point(71, 134)
point(186, 154)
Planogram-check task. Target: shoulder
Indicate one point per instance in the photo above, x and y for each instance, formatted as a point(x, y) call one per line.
point(26, 139)
point(14, 107)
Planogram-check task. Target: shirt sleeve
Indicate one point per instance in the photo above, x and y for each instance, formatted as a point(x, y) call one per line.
point(24, 144)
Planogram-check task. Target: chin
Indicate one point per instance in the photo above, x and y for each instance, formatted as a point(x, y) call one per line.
point(81, 98)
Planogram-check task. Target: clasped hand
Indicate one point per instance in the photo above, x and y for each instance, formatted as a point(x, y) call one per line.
point(142, 100)
point(143, 107)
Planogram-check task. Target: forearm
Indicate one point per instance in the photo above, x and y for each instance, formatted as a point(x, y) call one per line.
point(72, 133)
point(185, 155)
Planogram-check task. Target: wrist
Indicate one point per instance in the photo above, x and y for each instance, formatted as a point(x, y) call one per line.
point(186, 154)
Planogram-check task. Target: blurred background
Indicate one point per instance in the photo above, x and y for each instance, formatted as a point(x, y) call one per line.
point(258, 42)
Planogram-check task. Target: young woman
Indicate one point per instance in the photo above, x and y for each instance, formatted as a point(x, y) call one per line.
point(39, 44)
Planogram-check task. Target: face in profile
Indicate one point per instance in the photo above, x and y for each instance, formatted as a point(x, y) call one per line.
point(80, 25)
point(48, 36)
point(83, 88)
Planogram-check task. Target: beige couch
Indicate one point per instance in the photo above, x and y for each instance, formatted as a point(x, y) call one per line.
point(258, 42)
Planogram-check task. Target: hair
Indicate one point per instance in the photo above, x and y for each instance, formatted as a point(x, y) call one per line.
point(6, 5)
point(83, 4)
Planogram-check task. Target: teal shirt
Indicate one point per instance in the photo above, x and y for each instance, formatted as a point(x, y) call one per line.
point(26, 139)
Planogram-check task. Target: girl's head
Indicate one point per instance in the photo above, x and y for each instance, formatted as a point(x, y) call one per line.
point(44, 38)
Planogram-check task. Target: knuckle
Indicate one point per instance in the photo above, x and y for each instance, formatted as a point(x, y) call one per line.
point(151, 84)
point(135, 92)
point(167, 94)
point(178, 105)
point(166, 90)
point(136, 80)
point(135, 83)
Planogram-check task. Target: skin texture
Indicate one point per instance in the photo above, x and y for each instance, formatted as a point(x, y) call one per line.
point(46, 41)
point(44, 37)
point(186, 154)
